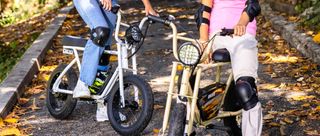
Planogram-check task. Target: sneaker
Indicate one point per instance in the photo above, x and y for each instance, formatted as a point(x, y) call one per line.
point(81, 90)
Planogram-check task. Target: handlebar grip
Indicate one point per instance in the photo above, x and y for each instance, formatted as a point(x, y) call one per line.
point(226, 32)
point(158, 19)
point(115, 9)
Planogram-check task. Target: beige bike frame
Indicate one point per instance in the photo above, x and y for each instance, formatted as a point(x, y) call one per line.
point(193, 115)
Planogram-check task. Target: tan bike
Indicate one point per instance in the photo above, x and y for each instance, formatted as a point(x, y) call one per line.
point(198, 107)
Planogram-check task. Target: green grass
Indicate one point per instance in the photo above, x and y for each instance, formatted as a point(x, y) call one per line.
point(10, 54)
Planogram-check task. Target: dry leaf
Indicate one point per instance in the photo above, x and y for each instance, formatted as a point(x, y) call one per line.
point(317, 38)
point(10, 132)
point(287, 120)
point(34, 106)
point(1, 122)
point(274, 124)
point(11, 120)
point(23, 101)
point(311, 132)
point(156, 131)
point(155, 107)
point(42, 97)
point(268, 116)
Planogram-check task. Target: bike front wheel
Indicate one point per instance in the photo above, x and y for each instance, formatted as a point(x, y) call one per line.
point(133, 117)
point(178, 120)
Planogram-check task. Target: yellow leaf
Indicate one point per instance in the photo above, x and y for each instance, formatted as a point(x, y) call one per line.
point(273, 124)
point(156, 131)
point(299, 98)
point(11, 120)
point(317, 38)
point(306, 105)
point(10, 132)
point(1, 122)
point(268, 116)
point(287, 120)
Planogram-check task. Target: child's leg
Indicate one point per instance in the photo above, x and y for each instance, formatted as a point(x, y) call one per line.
point(244, 59)
point(93, 16)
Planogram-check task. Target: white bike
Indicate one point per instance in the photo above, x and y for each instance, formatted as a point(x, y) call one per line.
point(125, 93)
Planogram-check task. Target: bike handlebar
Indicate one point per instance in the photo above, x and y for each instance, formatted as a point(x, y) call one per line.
point(159, 20)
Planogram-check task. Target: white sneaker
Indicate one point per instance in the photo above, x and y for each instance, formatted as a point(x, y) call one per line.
point(81, 90)
point(102, 114)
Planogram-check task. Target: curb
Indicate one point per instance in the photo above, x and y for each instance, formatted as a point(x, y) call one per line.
point(24, 71)
point(302, 42)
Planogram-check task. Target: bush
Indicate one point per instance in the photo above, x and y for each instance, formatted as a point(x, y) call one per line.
point(310, 10)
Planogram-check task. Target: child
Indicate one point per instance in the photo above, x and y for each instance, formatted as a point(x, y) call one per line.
point(101, 25)
point(242, 46)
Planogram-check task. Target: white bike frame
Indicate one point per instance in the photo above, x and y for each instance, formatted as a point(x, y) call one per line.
point(123, 64)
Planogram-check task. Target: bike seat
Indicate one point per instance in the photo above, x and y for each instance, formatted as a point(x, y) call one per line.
point(74, 41)
point(221, 55)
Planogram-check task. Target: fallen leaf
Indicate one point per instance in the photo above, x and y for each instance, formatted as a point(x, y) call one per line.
point(274, 124)
point(156, 131)
point(23, 101)
point(11, 120)
point(300, 98)
point(34, 106)
point(42, 97)
point(317, 38)
point(10, 132)
point(155, 107)
point(311, 132)
point(287, 120)
point(268, 116)
point(305, 105)
point(1, 122)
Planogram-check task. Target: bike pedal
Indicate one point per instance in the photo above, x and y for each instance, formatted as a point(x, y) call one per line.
point(222, 128)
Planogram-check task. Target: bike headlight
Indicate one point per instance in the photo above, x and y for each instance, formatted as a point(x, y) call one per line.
point(133, 34)
point(189, 54)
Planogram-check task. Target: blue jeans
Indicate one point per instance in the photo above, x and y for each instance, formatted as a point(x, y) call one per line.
point(94, 17)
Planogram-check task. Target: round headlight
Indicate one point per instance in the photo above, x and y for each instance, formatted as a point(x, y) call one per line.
point(133, 34)
point(189, 54)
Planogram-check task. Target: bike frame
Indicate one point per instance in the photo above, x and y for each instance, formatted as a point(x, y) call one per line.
point(123, 64)
point(186, 91)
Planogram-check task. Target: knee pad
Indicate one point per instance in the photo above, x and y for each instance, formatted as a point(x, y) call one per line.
point(100, 35)
point(247, 92)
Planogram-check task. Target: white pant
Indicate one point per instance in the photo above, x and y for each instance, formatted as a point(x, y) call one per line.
point(243, 52)
point(244, 60)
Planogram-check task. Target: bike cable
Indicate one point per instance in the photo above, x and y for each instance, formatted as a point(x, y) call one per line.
point(141, 42)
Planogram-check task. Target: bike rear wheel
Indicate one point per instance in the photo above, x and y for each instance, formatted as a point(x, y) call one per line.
point(178, 120)
point(135, 115)
point(61, 105)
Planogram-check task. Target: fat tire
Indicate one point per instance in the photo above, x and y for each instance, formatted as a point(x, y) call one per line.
point(147, 110)
point(178, 120)
point(70, 103)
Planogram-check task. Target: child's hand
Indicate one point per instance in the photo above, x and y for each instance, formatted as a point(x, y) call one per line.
point(107, 5)
point(240, 30)
point(149, 11)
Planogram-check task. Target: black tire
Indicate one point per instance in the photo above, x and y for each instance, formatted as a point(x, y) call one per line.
point(231, 104)
point(114, 108)
point(178, 120)
point(61, 111)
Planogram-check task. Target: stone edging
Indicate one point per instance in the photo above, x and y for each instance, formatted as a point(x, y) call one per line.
point(294, 37)
point(24, 71)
